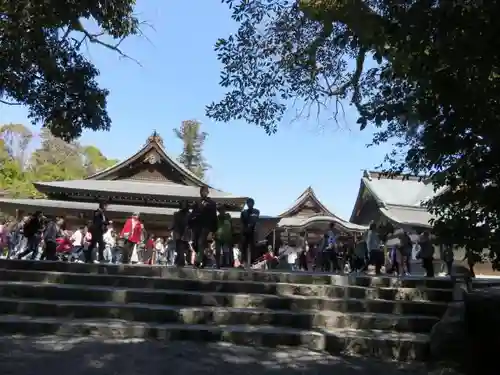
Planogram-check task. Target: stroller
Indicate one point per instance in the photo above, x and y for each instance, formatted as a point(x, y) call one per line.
point(64, 249)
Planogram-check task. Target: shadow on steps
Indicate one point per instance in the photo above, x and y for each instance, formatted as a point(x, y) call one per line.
point(92, 356)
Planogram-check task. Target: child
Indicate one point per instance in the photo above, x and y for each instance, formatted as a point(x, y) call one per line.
point(237, 256)
point(109, 245)
point(270, 258)
point(159, 251)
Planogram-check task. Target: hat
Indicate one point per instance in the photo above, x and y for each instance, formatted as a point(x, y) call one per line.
point(136, 214)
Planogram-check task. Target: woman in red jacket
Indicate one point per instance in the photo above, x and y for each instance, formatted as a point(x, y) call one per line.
point(132, 235)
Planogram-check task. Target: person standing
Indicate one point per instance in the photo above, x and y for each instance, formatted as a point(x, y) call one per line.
point(77, 239)
point(180, 233)
point(374, 251)
point(132, 236)
point(224, 239)
point(149, 247)
point(97, 230)
point(448, 257)
point(360, 255)
point(159, 251)
point(31, 231)
point(403, 254)
point(236, 256)
point(110, 243)
point(203, 222)
point(11, 237)
point(249, 218)
point(53, 230)
point(330, 251)
point(427, 254)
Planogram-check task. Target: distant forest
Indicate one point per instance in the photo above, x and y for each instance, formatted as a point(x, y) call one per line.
point(53, 160)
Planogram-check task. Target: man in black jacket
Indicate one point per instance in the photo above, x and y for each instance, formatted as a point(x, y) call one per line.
point(31, 231)
point(180, 229)
point(97, 230)
point(203, 222)
point(249, 219)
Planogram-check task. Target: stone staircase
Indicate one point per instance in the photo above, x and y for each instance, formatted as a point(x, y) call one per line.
point(383, 317)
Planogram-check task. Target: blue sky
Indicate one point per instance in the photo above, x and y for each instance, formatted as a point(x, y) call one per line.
point(179, 76)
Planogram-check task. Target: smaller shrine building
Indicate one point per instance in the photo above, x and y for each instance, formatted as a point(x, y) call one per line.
point(310, 217)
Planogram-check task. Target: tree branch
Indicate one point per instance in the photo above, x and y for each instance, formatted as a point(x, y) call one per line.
point(9, 103)
point(94, 38)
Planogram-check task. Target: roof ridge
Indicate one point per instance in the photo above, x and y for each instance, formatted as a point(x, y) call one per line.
point(307, 193)
point(153, 142)
point(396, 176)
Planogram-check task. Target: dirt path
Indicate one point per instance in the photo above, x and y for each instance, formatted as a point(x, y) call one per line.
point(51, 355)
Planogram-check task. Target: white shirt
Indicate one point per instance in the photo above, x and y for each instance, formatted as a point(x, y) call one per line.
point(236, 253)
point(292, 256)
point(108, 238)
point(77, 238)
point(159, 247)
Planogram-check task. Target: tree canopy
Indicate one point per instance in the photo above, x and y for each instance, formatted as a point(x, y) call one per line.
point(54, 159)
point(193, 140)
point(43, 65)
point(425, 74)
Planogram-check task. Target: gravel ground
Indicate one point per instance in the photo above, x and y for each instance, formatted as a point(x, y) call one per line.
point(51, 355)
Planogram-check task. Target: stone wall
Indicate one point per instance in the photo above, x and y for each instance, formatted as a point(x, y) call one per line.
point(482, 327)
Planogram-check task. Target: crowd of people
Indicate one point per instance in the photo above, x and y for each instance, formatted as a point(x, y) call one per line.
point(201, 235)
point(358, 253)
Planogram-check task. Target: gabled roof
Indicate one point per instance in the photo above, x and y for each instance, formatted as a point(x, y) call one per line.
point(409, 191)
point(400, 198)
point(325, 216)
point(154, 143)
point(303, 198)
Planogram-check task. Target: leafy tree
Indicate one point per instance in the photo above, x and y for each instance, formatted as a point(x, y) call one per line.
point(42, 61)
point(15, 177)
point(56, 160)
point(193, 140)
point(424, 73)
point(94, 160)
point(16, 140)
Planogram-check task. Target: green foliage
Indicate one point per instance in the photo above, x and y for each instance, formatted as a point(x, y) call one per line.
point(54, 160)
point(42, 60)
point(424, 73)
point(94, 160)
point(193, 140)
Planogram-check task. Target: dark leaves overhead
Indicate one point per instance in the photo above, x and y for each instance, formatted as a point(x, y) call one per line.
point(431, 88)
point(42, 65)
point(270, 60)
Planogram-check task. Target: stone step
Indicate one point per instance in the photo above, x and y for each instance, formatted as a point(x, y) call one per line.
point(193, 298)
point(384, 345)
point(241, 287)
point(229, 274)
point(306, 319)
